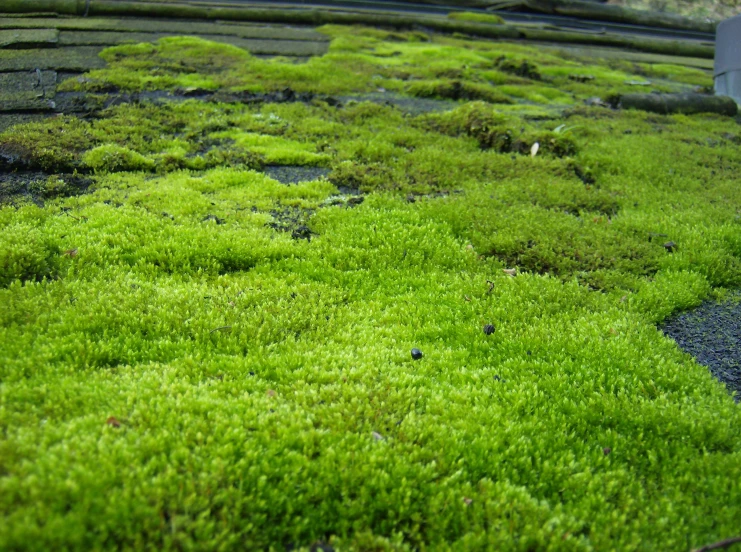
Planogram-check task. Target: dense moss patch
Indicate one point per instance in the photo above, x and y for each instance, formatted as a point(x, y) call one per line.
point(367, 59)
point(196, 355)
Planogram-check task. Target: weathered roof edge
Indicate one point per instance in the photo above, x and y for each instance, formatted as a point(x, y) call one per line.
point(313, 16)
point(590, 10)
point(574, 8)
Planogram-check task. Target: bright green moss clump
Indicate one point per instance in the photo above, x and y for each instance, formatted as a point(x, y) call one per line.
point(115, 158)
point(196, 356)
point(367, 59)
point(26, 252)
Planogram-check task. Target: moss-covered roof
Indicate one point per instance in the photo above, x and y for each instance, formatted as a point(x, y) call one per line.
point(214, 267)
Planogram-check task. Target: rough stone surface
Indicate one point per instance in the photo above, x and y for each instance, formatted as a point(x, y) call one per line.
point(27, 90)
point(82, 58)
point(28, 38)
point(293, 174)
point(712, 334)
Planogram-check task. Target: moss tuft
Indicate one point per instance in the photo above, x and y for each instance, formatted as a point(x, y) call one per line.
point(52, 145)
point(115, 158)
point(28, 253)
point(456, 90)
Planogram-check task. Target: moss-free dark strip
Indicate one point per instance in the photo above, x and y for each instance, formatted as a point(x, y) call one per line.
point(679, 103)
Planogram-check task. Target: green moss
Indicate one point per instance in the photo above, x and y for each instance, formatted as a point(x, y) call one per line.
point(358, 176)
point(476, 17)
point(276, 150)
point(115, 158)
point(52, 145)
point(362, 61)
point(182, 369)
point(687, 75)
point(456, 90)
point(494, 130)
point(27, 252)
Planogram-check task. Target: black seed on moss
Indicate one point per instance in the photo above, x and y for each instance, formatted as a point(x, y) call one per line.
point(416, 354)
point(489, 329)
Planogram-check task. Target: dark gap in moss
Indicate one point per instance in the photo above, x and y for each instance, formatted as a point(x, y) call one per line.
point(18, 157)
point(8, 120)
point(294, 174)
point(346, 190)
point(414, 196)
point(361, 176)
point(285, 95)
point(523, 68)
point(457, 90)
point(594, 108)
point(712, 334)
point(106, 96)
point(584, 175)
point(294, 220)
point(405, 104)
point(39, 186)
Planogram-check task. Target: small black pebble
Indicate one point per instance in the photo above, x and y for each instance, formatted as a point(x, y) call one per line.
point(416, 354)
point(252, 373)
point(489, 329)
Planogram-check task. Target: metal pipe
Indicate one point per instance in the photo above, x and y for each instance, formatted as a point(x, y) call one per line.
point(727, 71)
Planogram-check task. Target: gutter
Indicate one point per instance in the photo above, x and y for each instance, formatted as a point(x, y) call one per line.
point(727, 70)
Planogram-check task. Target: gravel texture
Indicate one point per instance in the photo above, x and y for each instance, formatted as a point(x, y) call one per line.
point(712, 334)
